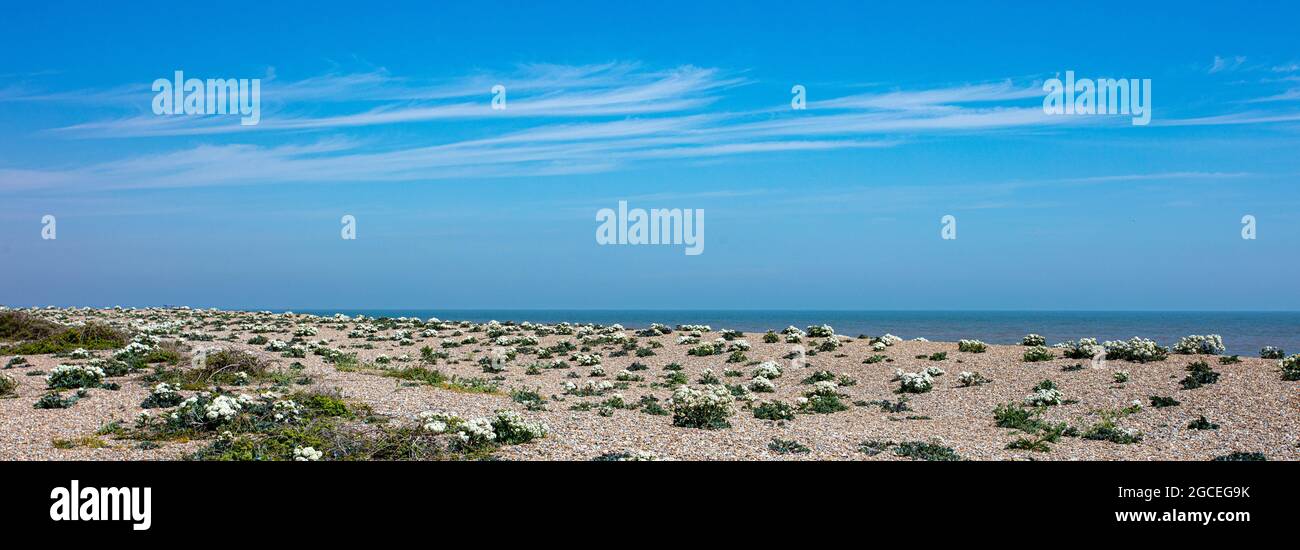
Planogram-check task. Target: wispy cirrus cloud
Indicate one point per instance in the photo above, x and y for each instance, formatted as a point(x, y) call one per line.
point(559, 120)
point(535, 91)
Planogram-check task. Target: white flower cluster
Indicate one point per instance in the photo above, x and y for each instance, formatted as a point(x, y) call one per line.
point(222, 408)
point(1290, 368)
point(830, 344)
point(972, 346)
point(824, 388)
point(511, 427)
point(700, 408)
point(75, 376)
point(510, 341)
point(1135, 349)
point(133, 349)
point(1271, 352)
point(1043, 397)
point(890, 339)
point(163, 390)
point(761, 385)
point(739, 345)
point(879, 346)
point(476, 432)
point(1083, 348)
point(969, 379)
point(438, 421)
point(934, 371)
point(915, 382)
point(1208, 344)
point(695, 328)
point(792, 330)
point(1033, 340)
point(277, 345)
point(79, 353)
point(587, 359)
point(767, 369)
point(305, 331)
point(286, 410)
point(823, 331)
point(589, 388)
point(306, 454)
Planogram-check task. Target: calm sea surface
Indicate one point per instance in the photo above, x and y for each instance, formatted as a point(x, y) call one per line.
point(1243, 332)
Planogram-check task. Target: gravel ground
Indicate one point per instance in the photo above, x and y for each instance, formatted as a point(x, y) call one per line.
point(1257, 411)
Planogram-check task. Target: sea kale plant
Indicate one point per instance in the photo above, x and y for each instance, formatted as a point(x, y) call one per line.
point(66, 377)
point(1083, 348)
point(968, 379)
point(1136, 349)
point(1037, 353)
point(1271, 352)
point(823, 398)
point(1045, 394)
point(1210, 344)
point(1291, 368)
point(707, 407)
point(915, 382)
point(1199, 374)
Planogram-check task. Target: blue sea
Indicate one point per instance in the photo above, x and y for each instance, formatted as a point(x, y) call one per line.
point(1244, 333)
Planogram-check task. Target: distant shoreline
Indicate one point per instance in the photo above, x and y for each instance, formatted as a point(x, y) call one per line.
point(1244, 332)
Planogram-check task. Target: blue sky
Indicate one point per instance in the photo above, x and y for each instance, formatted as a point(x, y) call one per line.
point(915, 111)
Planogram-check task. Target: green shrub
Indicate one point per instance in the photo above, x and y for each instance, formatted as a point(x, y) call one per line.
point(1037, 353)
point(1199, 374)
point(92, 336)
point(1161, 402)
point(787, 446)
point(917, 450)
point(774, 410)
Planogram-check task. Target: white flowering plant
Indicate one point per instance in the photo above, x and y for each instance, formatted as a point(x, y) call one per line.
point(768, 369)
point(915, 382)
point(707, 407)
point(65, 377)
point(1083, 348)
point(162, 395)
point(511, 428)
point(1196, 344)
point(306, 454)
point(970, 379)
point(889, 340)
point(972, 346)
point(823, 331)
point(1037, 353)
point(823, 398)
point(1290, 368)
point(1045, 394)
point(1136, 349)
point(761, 385)
point(1271, 352)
